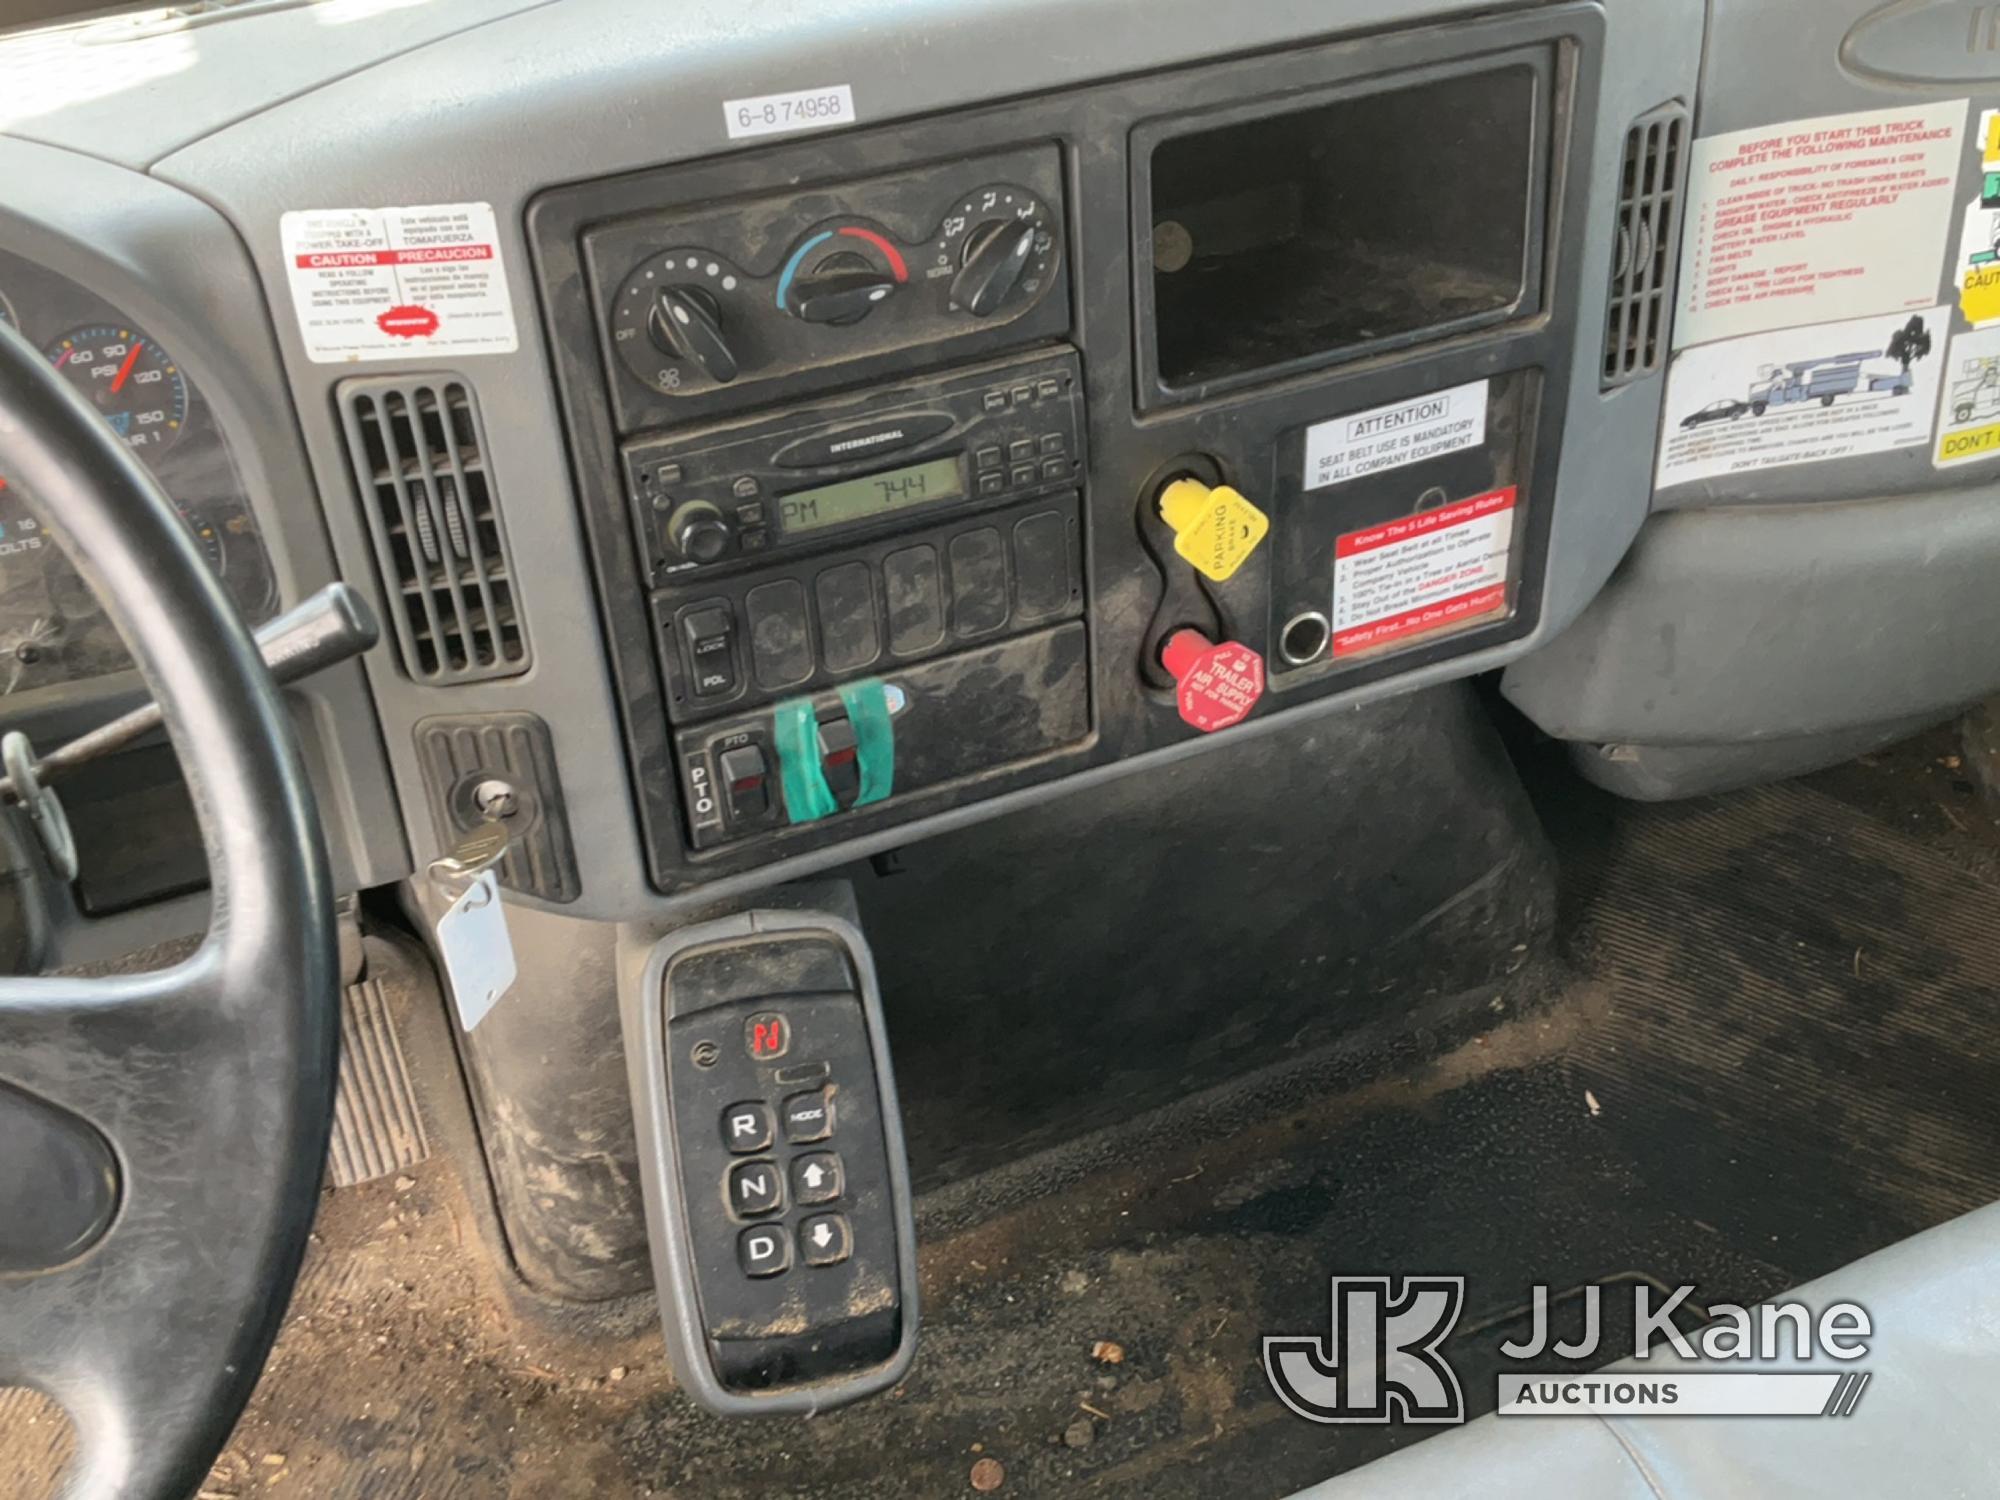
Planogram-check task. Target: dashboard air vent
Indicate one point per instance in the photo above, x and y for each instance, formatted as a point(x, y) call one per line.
point(420, 458)
point(1648, 244)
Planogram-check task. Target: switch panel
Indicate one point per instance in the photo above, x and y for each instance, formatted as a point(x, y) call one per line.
point(783, 1241)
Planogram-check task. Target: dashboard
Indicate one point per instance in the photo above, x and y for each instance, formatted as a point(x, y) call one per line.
point(53, 632)
point(800, 429)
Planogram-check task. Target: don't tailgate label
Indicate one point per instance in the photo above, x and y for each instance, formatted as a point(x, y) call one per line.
point(398, 283)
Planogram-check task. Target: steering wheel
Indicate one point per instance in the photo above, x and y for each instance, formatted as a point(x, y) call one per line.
point(162, 1134)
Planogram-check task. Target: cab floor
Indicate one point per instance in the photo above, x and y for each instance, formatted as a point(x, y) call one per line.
point(1767, 1048)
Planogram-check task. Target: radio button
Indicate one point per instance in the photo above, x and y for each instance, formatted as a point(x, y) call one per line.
point(848, 634)
point(751, 514)
point(995, 401)
point(1055, 468)
point(1021, 448)
point(744, 488)
point(986, 458)
point(754, 541)
point(667, 474)
point(1046, 389)
point(1052, 442)
point(916, 600)
point(1021, 395)
point(1021, 474)
point(992, 483)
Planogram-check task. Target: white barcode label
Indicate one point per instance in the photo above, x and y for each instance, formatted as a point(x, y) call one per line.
point(801, 109)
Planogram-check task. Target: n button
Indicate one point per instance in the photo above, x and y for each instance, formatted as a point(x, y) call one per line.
point(755, 1188)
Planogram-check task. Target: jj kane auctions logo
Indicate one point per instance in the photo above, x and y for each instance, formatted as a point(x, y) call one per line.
point(1382, 1358)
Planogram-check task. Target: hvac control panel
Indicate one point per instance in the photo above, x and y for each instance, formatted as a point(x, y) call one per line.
point(979, 451)
point(710, 310)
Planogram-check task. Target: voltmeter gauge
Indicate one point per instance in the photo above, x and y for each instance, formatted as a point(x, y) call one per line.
point(129, 378)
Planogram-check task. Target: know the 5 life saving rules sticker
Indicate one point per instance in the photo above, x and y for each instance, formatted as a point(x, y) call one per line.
point(1436, 570)
point(398, 283)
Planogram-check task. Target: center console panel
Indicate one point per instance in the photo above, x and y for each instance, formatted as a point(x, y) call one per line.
point(876, 464)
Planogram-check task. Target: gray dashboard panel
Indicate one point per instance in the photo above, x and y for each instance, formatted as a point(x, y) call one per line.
point(589, 87)
point(1798, 618)
point(1741, 89)
point(175, 265)
point(1701, 636)
point(74, 86)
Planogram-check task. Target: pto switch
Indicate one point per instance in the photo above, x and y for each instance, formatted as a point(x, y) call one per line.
point(1214, 529)
point(746, 780)
point(1215, 686)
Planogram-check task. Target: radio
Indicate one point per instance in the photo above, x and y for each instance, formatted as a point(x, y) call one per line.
point(742, 493)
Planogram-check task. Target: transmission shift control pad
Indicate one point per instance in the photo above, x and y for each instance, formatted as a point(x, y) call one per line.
point(788, 1206)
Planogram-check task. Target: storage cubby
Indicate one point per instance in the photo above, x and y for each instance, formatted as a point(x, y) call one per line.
point(1298, 233)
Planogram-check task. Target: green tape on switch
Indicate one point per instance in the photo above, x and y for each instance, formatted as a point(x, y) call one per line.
point(874, 738)
point(795, 729)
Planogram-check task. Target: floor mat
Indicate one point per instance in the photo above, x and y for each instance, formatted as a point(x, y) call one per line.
point(1771, 1052)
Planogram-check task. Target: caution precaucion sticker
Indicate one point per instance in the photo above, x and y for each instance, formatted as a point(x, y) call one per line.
point(398, 283)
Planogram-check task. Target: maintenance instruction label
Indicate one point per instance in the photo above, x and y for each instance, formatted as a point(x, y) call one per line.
point(1802, 395)
point(1387, 437)
point(1817, 220)
point(398, 283)
point(1429, 572)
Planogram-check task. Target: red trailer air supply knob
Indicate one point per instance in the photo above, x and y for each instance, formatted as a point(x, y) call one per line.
point(1215, 686)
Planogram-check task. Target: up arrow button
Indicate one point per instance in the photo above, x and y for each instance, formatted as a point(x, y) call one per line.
point(817, 1178)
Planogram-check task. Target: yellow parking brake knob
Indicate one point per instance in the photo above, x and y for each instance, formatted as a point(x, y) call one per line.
point(1214, 529)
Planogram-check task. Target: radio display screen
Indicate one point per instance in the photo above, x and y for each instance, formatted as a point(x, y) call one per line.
point(876, 495)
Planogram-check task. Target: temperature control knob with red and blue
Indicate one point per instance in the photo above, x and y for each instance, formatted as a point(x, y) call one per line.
point(691, 319)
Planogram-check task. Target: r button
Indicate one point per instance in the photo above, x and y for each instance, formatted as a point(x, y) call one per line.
point(746, 1128)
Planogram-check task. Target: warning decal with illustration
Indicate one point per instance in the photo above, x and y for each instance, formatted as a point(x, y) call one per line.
point(398, 283)
point(1801, 395)
point(1969, 402)
point(1812, 221)
point(1433, 571)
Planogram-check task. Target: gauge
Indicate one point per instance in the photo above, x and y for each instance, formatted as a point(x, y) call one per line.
point(206, 537)
point(129, 378)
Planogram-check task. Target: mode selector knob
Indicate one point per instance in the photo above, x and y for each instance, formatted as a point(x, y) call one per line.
point(698, 531)
point(687, 324)
point(996, 255)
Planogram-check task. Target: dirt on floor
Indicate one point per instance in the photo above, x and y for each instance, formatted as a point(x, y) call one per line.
point(1104, 1339)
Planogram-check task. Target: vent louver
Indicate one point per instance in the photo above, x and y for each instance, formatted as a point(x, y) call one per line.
point(421, 462)
point(1648, 244)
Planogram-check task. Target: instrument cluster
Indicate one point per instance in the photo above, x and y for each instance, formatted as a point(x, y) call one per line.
point(52, 629)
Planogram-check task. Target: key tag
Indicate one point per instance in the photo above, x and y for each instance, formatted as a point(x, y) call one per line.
point(472, 935)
